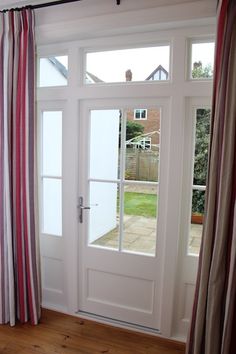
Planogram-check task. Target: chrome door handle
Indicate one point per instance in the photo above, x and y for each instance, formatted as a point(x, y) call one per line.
point(81, 208)
point(84, 207)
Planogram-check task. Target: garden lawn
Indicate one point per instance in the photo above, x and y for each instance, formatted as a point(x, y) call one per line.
point(141, 204)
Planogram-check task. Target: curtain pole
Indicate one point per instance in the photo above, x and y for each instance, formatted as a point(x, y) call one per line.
point(48, 4)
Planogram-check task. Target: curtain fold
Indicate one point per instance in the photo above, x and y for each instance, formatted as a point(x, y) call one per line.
point(19, 276)
point(214, 309)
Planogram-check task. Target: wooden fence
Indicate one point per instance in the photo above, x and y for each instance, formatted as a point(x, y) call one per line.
point(141, 164)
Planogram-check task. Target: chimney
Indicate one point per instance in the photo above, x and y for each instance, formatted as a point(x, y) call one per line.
point(128, 75)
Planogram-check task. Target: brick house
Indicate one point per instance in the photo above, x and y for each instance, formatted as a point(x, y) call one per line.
point(149, 118)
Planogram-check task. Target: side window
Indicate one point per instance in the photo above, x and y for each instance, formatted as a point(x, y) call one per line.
point(200, 164)
point(51, 172)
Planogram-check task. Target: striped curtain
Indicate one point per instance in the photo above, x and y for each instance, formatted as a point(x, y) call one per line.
point(214, 312)
point(19, 289)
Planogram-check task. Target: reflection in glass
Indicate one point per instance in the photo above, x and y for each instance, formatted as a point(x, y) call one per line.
point(202, 60)
point(53, 71)
point(104, 214)
point(104, 143)
point(142, 146)
point(52, 206)
point(127, 65)
point(140, 218)
point(52, 143)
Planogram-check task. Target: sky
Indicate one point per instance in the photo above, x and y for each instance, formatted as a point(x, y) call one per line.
point(203, 52)
point(110, 66)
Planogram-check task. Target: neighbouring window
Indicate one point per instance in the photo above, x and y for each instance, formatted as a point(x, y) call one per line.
point(142, 143)
point(125, 65)
point(51, 172)
point(140, 114)
point(53, 71)
point(202, 139)
point(202, 60)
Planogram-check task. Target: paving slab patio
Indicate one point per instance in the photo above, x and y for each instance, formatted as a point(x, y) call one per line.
point(140, 236)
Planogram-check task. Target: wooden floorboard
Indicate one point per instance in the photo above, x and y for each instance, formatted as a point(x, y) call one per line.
point(62, 334)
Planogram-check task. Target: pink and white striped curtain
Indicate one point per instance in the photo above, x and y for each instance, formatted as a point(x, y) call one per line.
point(19, 278)
point(214, 311)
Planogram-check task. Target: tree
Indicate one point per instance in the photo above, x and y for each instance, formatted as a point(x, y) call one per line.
point(201, 158)
point(199, 71)
point(133, 130)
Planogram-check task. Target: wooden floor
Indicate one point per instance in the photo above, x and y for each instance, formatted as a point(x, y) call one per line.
point(62, 334)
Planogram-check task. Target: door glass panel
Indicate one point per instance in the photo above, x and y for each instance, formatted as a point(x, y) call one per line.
point(124, 148)
point(53, 71)
point(202, 139)
point(104, 144)
point(52, 206)
point(127, 65)
point(52, 143)
point(142, 145)
point(202, 60)
point(140, 218)
point(104, 215)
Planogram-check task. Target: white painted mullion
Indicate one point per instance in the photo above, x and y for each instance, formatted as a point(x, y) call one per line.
point(122, 177)
point(103, 180)
point(146, 183)
point(51, 177)
point(130, 182)
point(198, 188)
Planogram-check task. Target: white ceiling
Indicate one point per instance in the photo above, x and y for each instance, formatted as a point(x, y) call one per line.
point(100, 18)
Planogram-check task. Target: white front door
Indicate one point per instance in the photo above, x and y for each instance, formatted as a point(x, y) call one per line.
point(121, 174)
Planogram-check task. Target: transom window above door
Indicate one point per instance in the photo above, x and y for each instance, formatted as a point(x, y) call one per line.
point(128, 65)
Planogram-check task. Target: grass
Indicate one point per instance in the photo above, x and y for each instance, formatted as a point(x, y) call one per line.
point(141, 204)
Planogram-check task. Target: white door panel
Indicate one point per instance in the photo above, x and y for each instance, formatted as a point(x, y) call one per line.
point(120, 258)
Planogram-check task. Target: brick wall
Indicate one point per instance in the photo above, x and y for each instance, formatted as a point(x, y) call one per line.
point(152, 123)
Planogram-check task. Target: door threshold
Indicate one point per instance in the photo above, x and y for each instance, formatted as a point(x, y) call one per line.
point(118, 323)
